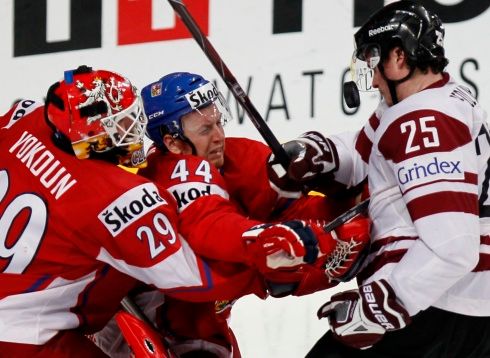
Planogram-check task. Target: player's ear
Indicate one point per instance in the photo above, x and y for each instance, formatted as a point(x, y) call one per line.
point(174, 145)
point(399, 55)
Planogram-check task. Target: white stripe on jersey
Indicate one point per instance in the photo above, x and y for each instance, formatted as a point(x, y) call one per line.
point(36, 317)
point(178, 270)
point(187, 192)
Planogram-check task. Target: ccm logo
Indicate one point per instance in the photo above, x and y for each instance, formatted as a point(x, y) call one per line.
point(156, 114)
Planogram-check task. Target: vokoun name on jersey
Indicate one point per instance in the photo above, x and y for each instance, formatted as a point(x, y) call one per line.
point(42, 163)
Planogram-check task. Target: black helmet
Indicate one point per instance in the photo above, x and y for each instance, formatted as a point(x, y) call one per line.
point(419, 32)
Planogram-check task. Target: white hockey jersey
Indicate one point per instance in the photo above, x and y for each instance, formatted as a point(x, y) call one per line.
point(427, 163)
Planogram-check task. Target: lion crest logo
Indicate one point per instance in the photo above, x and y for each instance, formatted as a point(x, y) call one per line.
point(109, 93)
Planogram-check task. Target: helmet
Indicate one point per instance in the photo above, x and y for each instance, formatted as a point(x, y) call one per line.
point(97, 113)
point(419, 32)
point(167, 100)
point(402, 23)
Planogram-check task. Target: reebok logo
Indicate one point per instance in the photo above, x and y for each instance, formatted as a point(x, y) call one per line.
point(129, 207)
point(381, 29)
point(426, 169)
point(202, 95)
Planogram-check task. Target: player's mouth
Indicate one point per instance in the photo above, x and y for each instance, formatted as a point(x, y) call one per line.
point(216, 152)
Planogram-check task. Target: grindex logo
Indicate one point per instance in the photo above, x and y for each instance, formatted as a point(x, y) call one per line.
point(429, 168)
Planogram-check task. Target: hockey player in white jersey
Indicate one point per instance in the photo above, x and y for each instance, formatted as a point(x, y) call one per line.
point(425, 289)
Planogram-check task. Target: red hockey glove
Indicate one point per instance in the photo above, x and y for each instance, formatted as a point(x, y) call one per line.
point(284, 245)
point(351, 247)
point(360, 318)
point(311, 156)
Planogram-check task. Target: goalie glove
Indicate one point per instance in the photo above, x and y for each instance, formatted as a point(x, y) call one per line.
point(312, 155)
point(352, 243)
point(360, 318)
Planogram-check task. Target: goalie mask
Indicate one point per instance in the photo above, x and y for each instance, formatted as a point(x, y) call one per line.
point(175, 95)
point(97, 113)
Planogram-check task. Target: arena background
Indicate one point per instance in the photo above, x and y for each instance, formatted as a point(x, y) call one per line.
point(291, 56)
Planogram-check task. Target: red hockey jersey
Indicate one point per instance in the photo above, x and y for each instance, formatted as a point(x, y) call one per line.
point(75, 236)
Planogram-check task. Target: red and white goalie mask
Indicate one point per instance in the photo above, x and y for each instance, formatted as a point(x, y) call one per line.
point(99, 111)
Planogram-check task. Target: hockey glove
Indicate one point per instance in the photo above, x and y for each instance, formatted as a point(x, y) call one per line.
point(350, 249)
point(284, 245)
point(360, 318)
point(312, 155)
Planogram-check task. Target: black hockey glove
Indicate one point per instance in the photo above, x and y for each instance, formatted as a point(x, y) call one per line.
point(312, 156)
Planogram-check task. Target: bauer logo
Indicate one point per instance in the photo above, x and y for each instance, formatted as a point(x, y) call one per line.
point(129, 207)
point(202, 95)
point(429, 168)
point(186, 193)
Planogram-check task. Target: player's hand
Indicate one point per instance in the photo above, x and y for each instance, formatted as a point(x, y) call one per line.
point(360, 318)
point(285, 245)
point(312, 155)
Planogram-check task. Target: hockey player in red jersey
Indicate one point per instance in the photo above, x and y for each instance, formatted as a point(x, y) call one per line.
point(76, 236)
point(223, 182)
point(424, 291)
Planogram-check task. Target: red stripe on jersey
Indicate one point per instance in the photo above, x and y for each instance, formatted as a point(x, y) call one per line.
point(469, 178)
point(385, 258)
point(374, 121)
point(485, 240)
point(411, 135)
point(441, 82)
point(364, 146)
point(442, 202)
point(378, 244)
point(483, 263)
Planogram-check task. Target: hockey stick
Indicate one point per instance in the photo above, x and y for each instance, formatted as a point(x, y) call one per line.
point(242, 98)
point(230, 80)
point(349, 214)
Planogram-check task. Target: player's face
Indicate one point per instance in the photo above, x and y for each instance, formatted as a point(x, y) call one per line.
point(204, 129)
point(380, 83)
point(395, 68)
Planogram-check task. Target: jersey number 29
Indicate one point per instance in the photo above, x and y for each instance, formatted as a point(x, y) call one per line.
point(22, 227)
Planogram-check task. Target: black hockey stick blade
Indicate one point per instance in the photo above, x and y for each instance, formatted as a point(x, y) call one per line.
point(349, 214)
point(230, 80)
